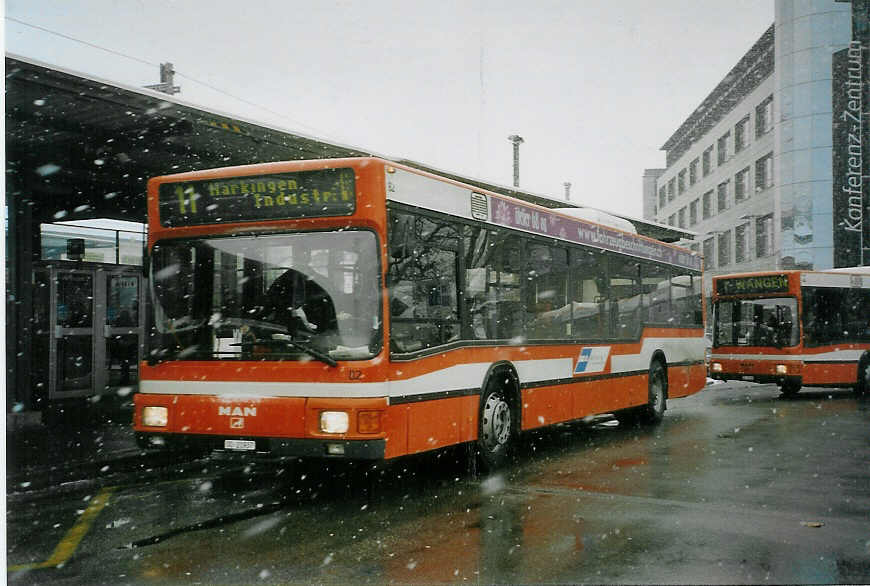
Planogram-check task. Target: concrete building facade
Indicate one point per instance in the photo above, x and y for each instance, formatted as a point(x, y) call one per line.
point(752, 171)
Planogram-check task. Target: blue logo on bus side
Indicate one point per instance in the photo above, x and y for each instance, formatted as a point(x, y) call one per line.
point(592, 359)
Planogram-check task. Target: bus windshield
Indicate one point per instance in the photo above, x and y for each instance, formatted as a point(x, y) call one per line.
point(756, 322)
point(304, 296)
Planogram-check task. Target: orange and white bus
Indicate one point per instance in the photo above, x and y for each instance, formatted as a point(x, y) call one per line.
point(362, 309)
point(793, 328)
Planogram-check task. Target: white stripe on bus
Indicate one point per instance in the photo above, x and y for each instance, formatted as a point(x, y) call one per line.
point(833, 356)
point(460, 376)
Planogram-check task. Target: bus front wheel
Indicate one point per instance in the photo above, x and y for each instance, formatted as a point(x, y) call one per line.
point(497, 432)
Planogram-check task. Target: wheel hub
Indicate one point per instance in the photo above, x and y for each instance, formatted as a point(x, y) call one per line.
point(496, 421)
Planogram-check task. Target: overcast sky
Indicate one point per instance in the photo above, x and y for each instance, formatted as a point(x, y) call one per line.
point(594, 87)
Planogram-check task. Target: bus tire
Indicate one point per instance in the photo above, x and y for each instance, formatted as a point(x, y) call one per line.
point(789, 388)
point(654, 411)
point(497, 430)
point(862, 385)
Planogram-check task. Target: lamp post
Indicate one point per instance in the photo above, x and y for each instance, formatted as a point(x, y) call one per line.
point(167, 77)
point(517, 140)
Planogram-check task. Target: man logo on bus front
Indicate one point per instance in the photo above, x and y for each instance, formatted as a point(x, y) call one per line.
point(236, 410)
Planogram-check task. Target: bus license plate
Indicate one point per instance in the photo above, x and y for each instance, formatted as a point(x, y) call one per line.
point(243, 445)
point(747, 377)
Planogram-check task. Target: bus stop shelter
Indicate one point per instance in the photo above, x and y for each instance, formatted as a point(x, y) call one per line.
point(79, 148)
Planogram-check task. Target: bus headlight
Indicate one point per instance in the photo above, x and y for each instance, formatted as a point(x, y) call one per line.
point(155, 416)
point(716, 367)
point(781, 369)
point(334, 422)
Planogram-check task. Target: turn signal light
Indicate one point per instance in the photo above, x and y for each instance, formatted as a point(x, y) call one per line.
point(369, 421)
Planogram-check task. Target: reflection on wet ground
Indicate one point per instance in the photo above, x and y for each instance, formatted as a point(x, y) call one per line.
point(733, 487)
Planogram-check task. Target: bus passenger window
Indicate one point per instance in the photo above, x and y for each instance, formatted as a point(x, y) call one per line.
point(547, 292)
point(494, 284)
point(589, 304)
point(686, 300)
point(424, 306)
point(477, 246)
point(657, 294)
point(625, 297)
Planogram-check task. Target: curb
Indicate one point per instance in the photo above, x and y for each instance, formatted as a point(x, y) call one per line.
point(35, 481)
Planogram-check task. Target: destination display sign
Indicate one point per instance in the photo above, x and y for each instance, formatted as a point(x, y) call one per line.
point(752, 285)
point(279, 196)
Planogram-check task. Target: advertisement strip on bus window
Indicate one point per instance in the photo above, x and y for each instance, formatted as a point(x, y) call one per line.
point(515, 215)
point(305, 194)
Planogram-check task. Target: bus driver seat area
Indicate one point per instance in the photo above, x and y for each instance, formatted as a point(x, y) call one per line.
point(297, 301)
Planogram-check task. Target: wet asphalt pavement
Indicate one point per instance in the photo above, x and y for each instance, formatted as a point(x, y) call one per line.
point(735, 486)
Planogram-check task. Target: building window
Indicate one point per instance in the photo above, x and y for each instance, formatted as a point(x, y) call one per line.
point(741, 134)
point(681, 182)
point(693, 171)
point(741, 185)
point(708, 253)
point(764, 236)
point(694, 247)
point(722, 196)
point(681, 217)
point(672, 220)
point(764, 172)
point(724, 249)
point(722, 148)
point(741, 243)
point(764, 117)
point(707, 161)
point(708, 205)
point(662, 197)
point(671, 185)
point(693, 213)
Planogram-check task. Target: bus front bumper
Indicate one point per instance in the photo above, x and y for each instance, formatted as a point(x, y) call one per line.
point(266, 447)
point(757, 378)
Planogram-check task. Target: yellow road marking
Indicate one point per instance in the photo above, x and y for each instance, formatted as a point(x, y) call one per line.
point(70, 542)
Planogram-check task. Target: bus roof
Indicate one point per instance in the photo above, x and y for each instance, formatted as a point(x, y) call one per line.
point(643, 227)
point(601, 231)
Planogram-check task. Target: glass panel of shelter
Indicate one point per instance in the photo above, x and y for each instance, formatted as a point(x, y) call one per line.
point(72, 351)
point(87, 329)
point(122, 329)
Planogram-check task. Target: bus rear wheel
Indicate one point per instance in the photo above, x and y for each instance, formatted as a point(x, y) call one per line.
point(789, 388)
point(862, 386)
point(654, 411)
point(497, 431)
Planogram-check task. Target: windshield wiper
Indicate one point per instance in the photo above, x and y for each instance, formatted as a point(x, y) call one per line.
point(287, 340)
point(251, 323)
